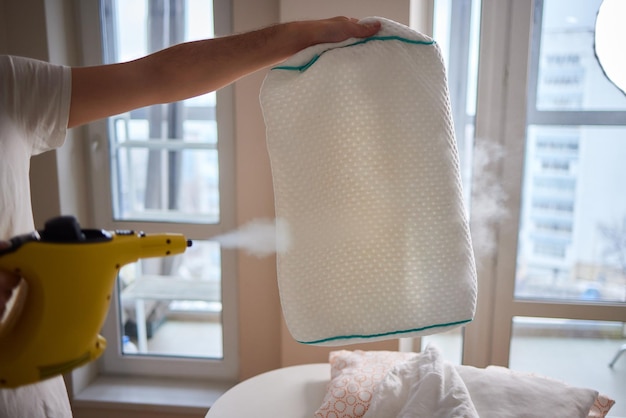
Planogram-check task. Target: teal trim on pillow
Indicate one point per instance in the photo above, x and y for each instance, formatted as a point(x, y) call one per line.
point(384, 334)
point(304, 67)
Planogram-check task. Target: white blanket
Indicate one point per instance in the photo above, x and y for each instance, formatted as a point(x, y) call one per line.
point(428, 386)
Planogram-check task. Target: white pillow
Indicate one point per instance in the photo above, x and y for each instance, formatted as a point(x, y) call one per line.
point(495, 391)
point(366, 176)
point(354, 375)
point(500, 392)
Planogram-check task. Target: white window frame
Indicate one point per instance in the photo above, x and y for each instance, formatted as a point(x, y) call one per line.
point(501, 117)
point(113, 362)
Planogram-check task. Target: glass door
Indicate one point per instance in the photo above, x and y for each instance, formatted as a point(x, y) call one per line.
point(542, 137)
point(560, 307)
point(166, 168)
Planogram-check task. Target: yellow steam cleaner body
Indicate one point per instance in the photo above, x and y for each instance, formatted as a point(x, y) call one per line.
point(69, 276)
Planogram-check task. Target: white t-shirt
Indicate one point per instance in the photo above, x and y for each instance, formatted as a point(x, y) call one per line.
point(34, 111)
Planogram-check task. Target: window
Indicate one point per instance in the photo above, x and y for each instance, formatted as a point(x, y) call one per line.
point(164, 158)
point(167, 168)
point(563, 294)
point(552, 284)
point(563, 64)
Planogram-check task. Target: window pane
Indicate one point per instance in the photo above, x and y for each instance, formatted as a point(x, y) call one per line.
point(129, 18)
point(172, 306)
point(570, 77)
point(160, 181)
point(572, 238)
point(164, 185)
point(572, 241)
point(575, 352)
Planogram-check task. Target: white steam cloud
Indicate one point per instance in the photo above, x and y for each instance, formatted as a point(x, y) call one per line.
point(488, 198)
point(260, 237)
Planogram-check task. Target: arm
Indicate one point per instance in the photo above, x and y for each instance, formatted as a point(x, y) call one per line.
point(194, 68)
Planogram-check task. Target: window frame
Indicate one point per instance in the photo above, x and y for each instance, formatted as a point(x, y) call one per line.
point(112, 361)
point(504, 73)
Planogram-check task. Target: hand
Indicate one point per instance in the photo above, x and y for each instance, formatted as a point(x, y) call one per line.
point(8, 282)
point(338, 29)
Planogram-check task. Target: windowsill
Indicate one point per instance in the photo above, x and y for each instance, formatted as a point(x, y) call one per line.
point(162, 394)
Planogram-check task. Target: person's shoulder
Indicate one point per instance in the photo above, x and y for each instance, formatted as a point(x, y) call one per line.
point(10, 62)
point(25, 70)
point(16, 61)
point(5, 60)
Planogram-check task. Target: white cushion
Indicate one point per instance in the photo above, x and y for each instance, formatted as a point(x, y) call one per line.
point(366, 176)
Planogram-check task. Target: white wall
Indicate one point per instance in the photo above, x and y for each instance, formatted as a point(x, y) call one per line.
point(3, 36)
point(397, 10)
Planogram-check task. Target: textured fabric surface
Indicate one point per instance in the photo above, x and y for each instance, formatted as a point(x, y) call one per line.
point(365, 171)
point(354, 375)
point(425, 386)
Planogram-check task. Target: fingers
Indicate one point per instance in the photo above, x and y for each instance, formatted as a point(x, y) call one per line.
point(354, 28)
point(8, 282)
point(368, 28)
point(340, 28)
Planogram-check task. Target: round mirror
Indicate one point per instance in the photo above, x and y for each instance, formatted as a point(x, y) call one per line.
point(610, 36)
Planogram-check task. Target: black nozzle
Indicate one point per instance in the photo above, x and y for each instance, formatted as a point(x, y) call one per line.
point(189, 243)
